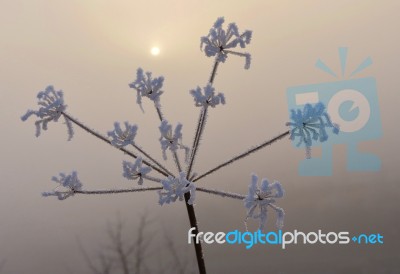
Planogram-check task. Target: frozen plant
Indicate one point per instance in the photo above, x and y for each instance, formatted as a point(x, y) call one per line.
point(260, 197)
point(308, 125)
point(52, 106)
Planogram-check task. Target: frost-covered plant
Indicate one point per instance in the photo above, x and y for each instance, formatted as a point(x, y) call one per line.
point(136, 170)
point(308, 125)
point(262, 196)
point(220, 43)
point(209, 98)
point(175, 188)
point(52, 106)
point(70, 182)
point(121, 138)
point(148, 87)
point(172, 141)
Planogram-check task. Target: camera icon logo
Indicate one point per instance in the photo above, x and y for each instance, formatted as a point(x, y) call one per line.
point(353, 104)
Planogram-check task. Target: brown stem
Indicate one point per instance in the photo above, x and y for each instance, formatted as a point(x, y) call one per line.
point(197, 245)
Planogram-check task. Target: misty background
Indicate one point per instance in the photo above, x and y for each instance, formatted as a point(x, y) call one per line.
point(91, 50)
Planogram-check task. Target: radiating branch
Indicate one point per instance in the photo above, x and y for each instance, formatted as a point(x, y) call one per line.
point(196, 142)
point(152, 159)
point(116, 191)
point(105, 139)
point(244, 154)
point(221, 193)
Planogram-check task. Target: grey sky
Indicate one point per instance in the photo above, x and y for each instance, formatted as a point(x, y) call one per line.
point(91, 50)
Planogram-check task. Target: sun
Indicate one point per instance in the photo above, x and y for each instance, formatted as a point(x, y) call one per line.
point(155, 51)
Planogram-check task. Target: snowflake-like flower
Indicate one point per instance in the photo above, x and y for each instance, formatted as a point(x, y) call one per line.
point(209, 98)
point(71, 182)
point(148, 87)
point(171, 141)
point(136, 170)
point(121, 138)
point(175, 188)
point(52, 106)
point(310, 124)
point(260, 197)
point(220, 42)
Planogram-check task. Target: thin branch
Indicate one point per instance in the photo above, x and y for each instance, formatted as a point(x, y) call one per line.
point(180, 268)
point(160, 115)
point(115, 191)
point(176, 159)
point(199, 132)
point(150, 178)
point(221, 193)
point(152, 159)
point(105, 139)
point(106, 263)
point(214, 72)
point(190, 209)
point(118, 246)
point(243, 155)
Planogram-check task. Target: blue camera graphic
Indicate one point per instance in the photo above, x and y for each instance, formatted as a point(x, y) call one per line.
point(353, 104)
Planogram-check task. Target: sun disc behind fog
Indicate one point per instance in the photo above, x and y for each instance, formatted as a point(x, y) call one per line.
point(155, 51)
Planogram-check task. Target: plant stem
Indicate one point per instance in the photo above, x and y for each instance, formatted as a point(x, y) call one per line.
point(115, 191)
point(105, 139)
point(190, 209)
point(221, 193)
point(159, 113)
point(214, 72)
point(176, 159)
point(199, 131)
point(201, 123)
point(197, 245)
point(240, 156)
point(152, 159)
point(150, 178)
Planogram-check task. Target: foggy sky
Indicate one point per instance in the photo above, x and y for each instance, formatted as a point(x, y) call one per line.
point(91, 50)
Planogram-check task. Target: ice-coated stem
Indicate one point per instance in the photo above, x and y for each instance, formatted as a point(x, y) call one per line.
point(160, 115)
point(221, 193)
point(115, 191)
point(243, 155)
point(196, 141)
point(152, 159)
point(214, 72)
point(176, 159)
point(105, 139)
point(190, 209)
point(201, 124)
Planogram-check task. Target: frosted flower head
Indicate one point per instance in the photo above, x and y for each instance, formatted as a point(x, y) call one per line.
point(121, 138)
point(52, 106)
point(310, 125)
point(70, 182)
point(262, 196)
point(148, 87)
point(207, 97)
point(136, 170)
point(171, 139)
point(220, 43)
point(175, 188)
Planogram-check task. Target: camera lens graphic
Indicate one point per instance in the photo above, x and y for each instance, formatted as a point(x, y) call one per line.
point(350, 101)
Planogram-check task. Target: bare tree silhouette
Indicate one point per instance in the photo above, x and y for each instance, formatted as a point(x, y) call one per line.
point(138, 255)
